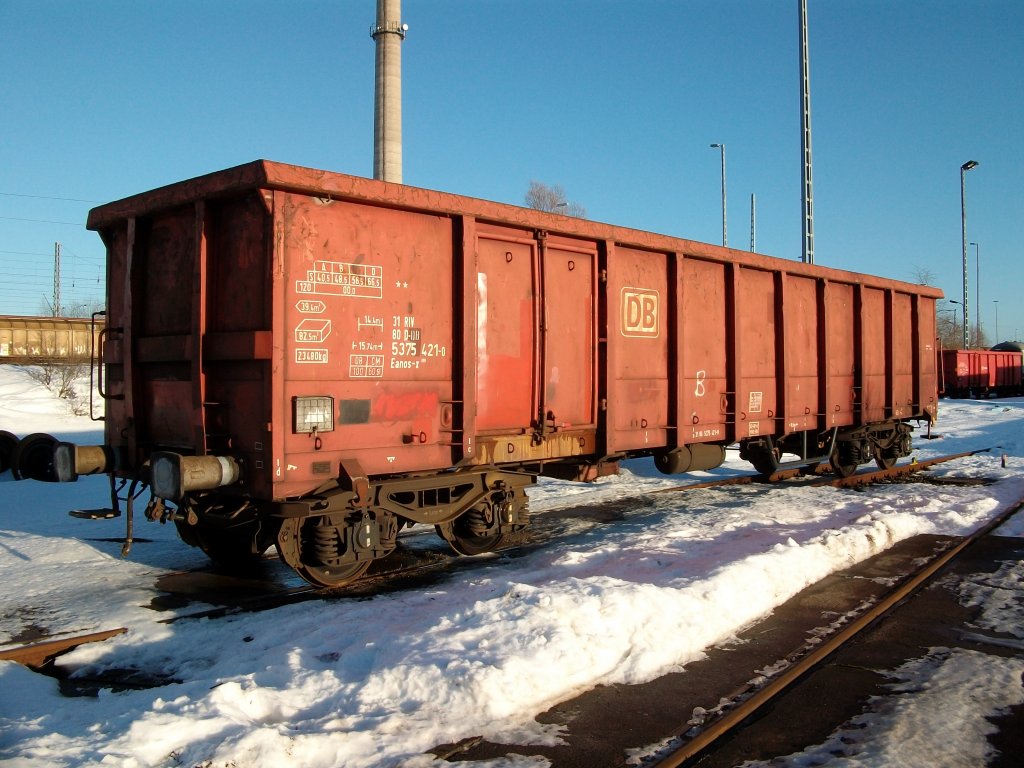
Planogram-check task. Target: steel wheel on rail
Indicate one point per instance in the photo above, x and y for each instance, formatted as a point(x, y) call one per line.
point(314, 548)
point(332, 576)
point(842, 465)
point(474, 532)
point(237, 548)
point(765, 462)
point(885, 459)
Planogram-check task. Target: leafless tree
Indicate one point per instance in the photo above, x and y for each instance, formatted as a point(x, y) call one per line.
point(552, 198)
point(923, 275)
point(951, 331)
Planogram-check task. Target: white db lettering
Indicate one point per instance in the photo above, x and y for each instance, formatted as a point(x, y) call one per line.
point(640, 312)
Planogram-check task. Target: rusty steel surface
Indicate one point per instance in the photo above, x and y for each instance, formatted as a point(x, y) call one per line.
point(440, 331)
point(980, 372)
point(37, 654)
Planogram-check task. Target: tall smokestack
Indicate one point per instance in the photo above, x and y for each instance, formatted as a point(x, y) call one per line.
point(388, 33)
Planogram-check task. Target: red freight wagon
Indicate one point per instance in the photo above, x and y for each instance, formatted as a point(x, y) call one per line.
point(313, 360)
point(981, 373)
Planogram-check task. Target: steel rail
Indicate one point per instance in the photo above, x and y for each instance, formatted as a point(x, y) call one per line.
point(37, 655)
point(861, 478)
point(732, 719)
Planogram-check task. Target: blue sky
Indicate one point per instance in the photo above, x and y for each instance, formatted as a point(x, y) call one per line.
point(616, 101)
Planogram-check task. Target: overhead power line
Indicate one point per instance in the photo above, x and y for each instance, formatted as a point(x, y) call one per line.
point(25, 253)
point(48, 197)
point(44, 221)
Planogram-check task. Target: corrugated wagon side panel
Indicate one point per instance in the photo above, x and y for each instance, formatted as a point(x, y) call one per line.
point(367, 324)
point(801, 321)
point(926, 376)
point(569, 320)
point(236, 374)
point(901, 326)
point(116, 239)
point(638, 355)
point(840, 362)
point(704, 374)
point(506, 343)
point(757, 328)
point(188, 330)
point(873, 342)
point(1009, 370)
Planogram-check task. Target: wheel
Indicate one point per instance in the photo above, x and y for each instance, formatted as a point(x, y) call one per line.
point(764, 459)
point(332, 576)
point(33, 458)
point(237, 548)
point(885, 459)
point(764, 462)
point(763, 454)
point(8, 442)
point(842, 466)
point(314, 547)
point(471, 533)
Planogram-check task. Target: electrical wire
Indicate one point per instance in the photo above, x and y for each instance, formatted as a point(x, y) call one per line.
point(48, 197)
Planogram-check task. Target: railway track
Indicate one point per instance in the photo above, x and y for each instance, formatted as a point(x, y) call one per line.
point(746, 705)
point(413, 566)
point(755, 698)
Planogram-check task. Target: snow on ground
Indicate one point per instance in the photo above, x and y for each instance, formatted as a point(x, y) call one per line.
point(480, 651)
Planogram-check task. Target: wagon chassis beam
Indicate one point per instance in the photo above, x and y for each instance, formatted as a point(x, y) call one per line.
point(430, 500)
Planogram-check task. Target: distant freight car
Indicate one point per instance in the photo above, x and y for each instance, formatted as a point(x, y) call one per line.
point(311, 360)
point(981, 373)
point(27, 340)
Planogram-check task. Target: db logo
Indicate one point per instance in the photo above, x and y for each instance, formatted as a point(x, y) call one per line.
point(639, 312)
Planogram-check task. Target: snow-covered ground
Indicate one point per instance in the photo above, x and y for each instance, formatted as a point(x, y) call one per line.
point(378, 681)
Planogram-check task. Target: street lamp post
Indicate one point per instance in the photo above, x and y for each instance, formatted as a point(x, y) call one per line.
point(969, 165)
point(996, 302)
point(977, 294)
point(725, 239)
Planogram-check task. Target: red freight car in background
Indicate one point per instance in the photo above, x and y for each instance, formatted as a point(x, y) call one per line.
point(313, 360)
point(981, 373)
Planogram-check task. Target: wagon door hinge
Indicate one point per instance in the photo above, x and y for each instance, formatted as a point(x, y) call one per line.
point(544, 426)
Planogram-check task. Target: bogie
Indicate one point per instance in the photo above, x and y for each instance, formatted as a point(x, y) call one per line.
point(486, 526)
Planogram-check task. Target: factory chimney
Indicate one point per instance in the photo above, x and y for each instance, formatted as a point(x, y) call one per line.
point(388, 34)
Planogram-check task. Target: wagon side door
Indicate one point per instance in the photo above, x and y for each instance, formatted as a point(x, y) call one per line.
point(639, 336)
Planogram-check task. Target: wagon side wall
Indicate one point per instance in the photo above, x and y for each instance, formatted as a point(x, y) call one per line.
point(300, 320)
